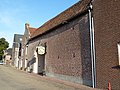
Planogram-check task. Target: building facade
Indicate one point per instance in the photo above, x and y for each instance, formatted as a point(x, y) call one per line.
point(67, 46)
point(7, 57)
point(80, 45)
point(27, 34)
point(107, 32)
point(16, 50)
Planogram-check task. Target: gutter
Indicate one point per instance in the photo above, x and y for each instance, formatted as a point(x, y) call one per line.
point(93, 59)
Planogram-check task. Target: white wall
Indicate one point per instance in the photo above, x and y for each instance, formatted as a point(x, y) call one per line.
point(35, 65)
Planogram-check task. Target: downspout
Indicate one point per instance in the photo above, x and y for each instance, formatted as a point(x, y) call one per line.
point(92, 46)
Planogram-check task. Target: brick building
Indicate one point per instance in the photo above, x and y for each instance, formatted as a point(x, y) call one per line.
point(80, 44)
point(27, 35)
point(106, 14)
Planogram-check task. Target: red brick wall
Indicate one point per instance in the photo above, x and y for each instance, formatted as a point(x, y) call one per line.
point(107, 34)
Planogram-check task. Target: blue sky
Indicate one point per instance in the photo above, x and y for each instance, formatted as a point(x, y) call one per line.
point(15, 13)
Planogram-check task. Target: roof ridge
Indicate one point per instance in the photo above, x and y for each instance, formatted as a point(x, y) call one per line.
point(65, 15)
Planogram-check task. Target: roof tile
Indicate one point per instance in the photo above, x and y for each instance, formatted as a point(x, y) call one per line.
point(65, 15)
point(32, 30)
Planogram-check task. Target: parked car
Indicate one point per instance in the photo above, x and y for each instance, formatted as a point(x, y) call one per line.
point(2, 63)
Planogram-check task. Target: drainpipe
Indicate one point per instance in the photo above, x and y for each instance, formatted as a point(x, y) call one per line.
point(92, 46)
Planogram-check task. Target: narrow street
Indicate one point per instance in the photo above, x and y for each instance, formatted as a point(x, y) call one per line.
point(12, 79)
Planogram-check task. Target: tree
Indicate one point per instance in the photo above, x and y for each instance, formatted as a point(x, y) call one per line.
point(3, 46)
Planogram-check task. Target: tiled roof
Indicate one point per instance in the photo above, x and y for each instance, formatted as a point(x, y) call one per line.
point(65, 15)
point(31, 30)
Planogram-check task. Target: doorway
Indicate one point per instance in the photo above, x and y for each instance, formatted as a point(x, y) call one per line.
point(41, 64)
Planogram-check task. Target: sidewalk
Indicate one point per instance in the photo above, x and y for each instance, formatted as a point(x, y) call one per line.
point(67, 83)
point(60, 82)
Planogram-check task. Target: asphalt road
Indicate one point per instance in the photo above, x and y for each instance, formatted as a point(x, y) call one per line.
point(13, 79)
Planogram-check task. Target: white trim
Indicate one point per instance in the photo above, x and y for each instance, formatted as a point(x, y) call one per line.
point(35, 66)
point(118, 45)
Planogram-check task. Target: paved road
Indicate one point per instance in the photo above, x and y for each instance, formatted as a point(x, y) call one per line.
point(12, 79)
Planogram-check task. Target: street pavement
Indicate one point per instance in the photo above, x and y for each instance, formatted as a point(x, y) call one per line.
point(13, 79)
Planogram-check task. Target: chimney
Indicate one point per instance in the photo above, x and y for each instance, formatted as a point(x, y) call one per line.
point(27, 25)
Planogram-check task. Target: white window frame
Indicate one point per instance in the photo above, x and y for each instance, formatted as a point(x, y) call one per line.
point(26, 51)
point(118, 45)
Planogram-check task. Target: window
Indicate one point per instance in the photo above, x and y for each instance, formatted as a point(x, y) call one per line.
point(20, 39)
point(26, 51)
point(118, 45)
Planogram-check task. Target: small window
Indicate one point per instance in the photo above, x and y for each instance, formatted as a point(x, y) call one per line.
point(118, 45)
point(26, 51)
point(20, 39)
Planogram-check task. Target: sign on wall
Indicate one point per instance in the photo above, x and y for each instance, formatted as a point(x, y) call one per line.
point(41, 50)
